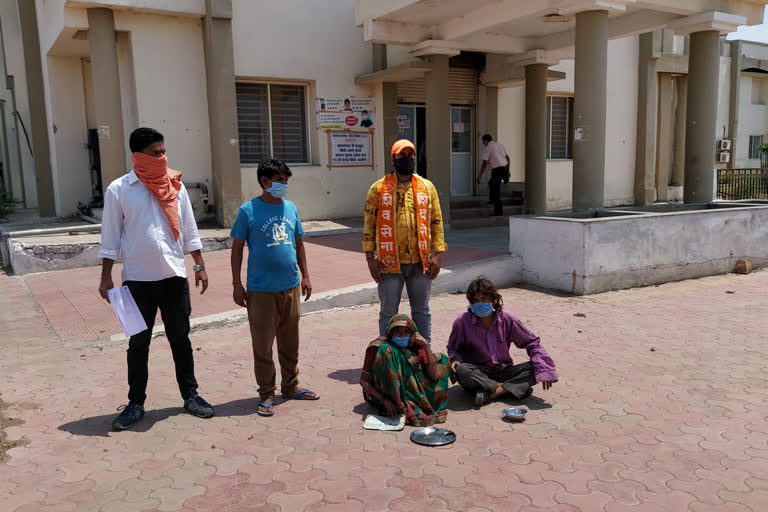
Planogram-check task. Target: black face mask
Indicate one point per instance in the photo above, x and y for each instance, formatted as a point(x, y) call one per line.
point(405, 165)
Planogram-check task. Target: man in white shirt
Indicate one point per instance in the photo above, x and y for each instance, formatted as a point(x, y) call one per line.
point(148, 224)
point(496, 155)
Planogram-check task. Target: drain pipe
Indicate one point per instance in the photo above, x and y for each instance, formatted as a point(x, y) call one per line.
point(88, 218)
point(203, 193)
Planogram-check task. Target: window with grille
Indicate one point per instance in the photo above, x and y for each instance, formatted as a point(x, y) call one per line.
point(754, 146)
point(272, 121)
point(559, 129)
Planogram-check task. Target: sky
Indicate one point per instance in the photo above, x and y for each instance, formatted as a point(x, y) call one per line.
point(758, 33)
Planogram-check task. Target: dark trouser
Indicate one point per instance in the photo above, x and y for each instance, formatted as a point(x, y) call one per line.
point(275, 315)
point(172, 297)
point(517, 379)
point(418, 285)
point(494, 186)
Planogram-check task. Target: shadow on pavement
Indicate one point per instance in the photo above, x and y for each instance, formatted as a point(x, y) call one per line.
point(350, 376)
point(364, 409)
point(101, 426)
point(460, 400)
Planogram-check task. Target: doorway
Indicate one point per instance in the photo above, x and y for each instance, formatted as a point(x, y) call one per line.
point(412, 125)
point(462, 151)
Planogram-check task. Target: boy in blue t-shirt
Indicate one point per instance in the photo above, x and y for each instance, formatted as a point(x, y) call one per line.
point(271, 227)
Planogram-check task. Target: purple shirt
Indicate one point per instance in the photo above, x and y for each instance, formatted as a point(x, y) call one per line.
point(472, 343)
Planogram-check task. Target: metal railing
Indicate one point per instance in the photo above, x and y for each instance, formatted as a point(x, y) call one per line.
point(736, 184)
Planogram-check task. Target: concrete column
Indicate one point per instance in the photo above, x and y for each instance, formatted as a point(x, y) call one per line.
point(678, 168)
point(647, 101)
point(33, 66)
point(222, 110)
point(439, 130)
point(666, 130)
point(536, 138)
point(735, 99)
point(379, 57)
point(389, 122)
point(703, 75)
point(590, 91)
point(106, 94)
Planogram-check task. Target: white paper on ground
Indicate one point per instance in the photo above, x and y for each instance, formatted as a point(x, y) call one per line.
point(126, 310)
point(373, 422)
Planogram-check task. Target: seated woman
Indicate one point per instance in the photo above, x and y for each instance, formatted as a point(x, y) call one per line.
point(479, 349)
point(401, 375)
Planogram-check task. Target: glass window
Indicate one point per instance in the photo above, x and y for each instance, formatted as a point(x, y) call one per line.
point(754, 146)
point(272, 121)
point(461, 130)
point(559, 127)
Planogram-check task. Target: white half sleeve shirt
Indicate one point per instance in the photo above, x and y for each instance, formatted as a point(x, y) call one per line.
point(495, 154)
point(135, 231)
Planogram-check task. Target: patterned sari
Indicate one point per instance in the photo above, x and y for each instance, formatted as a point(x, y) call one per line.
point(398, 374)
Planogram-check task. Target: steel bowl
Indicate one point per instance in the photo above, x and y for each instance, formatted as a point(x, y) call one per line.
point(515, 413)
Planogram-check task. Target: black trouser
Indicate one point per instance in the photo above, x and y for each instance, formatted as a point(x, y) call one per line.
point(172, 297)
point(516, 379)
point(494, 187)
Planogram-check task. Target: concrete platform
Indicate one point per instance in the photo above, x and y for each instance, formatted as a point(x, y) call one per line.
point(615, 248)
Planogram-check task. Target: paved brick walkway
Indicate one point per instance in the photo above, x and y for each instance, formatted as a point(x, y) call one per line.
point(71, 302)
point(661, 407)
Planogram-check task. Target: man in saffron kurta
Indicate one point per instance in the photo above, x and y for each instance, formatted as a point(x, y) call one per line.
point(403, 238)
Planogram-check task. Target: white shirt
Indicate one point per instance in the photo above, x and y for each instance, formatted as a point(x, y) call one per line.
point(495, 154)
point(134, 230)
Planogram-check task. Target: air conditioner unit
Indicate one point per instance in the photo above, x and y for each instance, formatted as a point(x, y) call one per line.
point(724, 157)
point(724, 145)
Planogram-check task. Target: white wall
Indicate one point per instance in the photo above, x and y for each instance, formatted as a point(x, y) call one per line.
point(315, 42)
point(621, 127)
point(621, 121)
point(70, 160)
point(14, 55)
point(753, 120)
point(168, 67)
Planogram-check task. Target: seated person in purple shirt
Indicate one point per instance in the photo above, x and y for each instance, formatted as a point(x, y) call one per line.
point(478, 349)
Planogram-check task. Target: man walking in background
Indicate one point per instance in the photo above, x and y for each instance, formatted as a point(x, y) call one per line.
point(148, 223)
point(496, 155)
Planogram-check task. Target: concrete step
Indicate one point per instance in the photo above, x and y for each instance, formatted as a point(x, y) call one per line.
point(484, 222)
point(476, 201)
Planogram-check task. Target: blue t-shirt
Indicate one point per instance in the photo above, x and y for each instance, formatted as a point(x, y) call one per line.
point(271, 231)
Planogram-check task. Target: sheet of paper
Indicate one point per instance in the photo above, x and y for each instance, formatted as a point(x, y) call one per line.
point(126, 310)
point(373, 422)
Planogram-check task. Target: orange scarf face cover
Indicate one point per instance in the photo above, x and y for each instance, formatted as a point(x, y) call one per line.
point(163, 183)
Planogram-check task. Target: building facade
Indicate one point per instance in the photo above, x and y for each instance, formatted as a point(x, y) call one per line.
point(589, 97)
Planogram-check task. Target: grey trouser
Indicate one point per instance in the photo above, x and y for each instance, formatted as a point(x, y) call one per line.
point(418, 286)
point(517, 379)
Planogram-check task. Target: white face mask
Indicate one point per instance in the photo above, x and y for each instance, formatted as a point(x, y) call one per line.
point(278, 190)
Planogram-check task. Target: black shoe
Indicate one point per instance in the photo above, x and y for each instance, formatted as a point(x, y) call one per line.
point(196, 406)
point(130, 414)
point(482, 398)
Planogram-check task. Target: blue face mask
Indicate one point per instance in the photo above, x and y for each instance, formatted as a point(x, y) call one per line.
point(278, 190)
point(401, 341)
point(482, 309)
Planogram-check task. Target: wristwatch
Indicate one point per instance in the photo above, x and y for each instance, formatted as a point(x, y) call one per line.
point(198, 268)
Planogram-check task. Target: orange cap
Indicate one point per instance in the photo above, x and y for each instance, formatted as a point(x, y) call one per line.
point(400, 145)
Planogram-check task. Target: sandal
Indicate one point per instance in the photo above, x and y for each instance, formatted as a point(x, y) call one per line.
point(267, 406)
point(304, 394)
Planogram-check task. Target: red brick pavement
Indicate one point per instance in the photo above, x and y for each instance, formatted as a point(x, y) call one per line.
point(73, 306)
point(680, 428)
